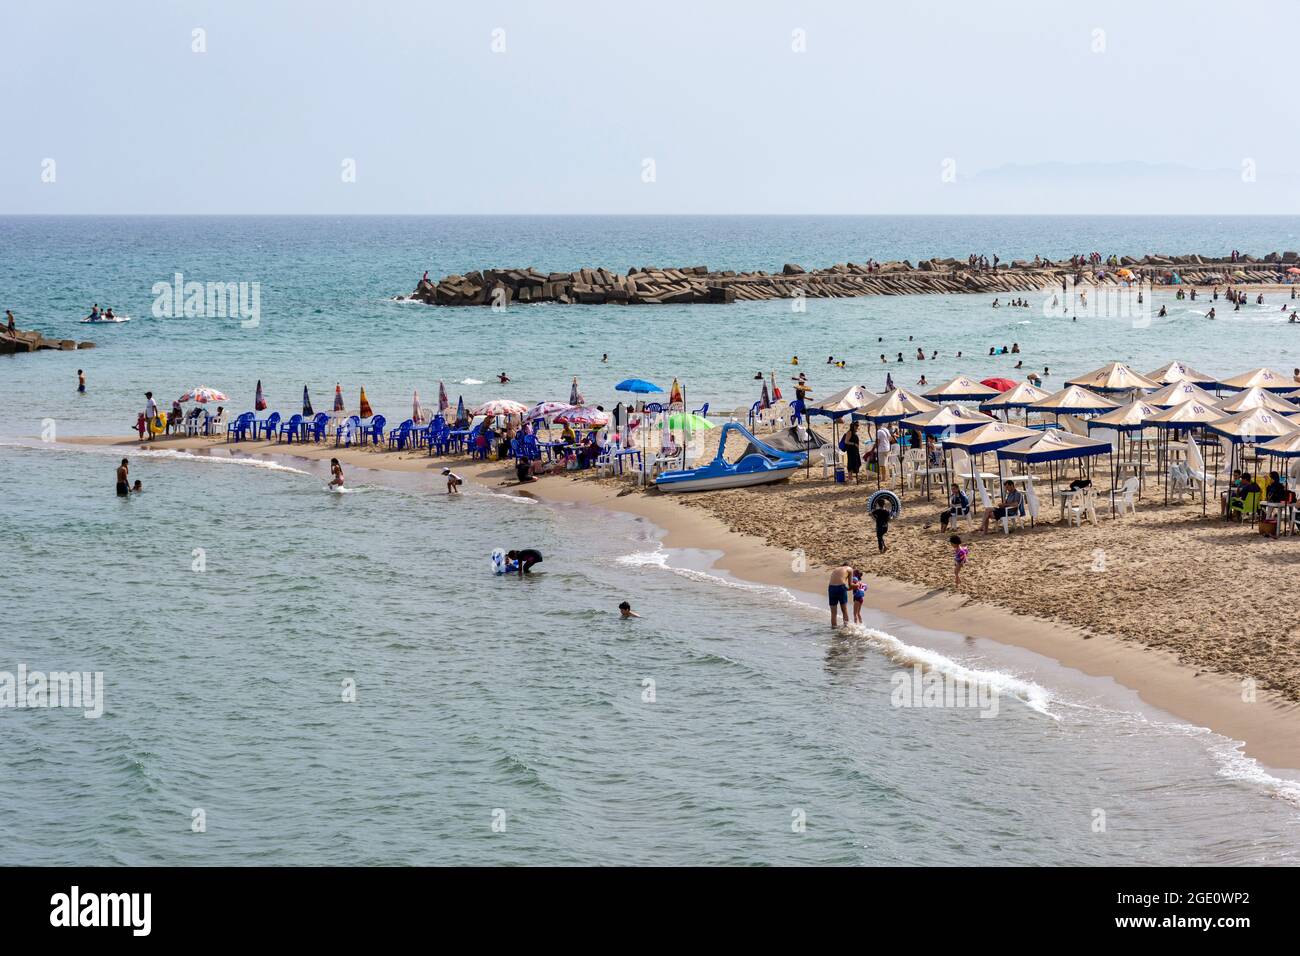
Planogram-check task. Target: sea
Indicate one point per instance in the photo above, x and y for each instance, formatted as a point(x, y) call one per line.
point(292, 677)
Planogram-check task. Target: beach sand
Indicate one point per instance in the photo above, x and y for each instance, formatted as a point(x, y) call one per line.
point(1185, 609)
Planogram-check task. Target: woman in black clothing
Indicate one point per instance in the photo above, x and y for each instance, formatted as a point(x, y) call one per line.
point(853, 450)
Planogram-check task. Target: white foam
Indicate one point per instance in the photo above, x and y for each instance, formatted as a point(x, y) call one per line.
point(470, 381)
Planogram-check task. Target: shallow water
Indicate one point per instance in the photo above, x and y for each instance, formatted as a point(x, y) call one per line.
point(474, 694)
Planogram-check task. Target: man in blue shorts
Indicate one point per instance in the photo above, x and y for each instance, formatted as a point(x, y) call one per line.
point(838, 592)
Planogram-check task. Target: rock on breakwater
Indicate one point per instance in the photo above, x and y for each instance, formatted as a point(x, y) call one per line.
point(651, 285)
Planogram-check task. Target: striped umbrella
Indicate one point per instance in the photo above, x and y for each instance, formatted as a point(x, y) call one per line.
point(338, 398)
point(306, 404)
point(202, 394)
point(675, 394)
point(365, 411)
point(259, 403)
point(545, 410)
point(417, 413)
point(575, 396)
point(764, 401)
point(443, 404)
point(501, 406)
point(583, 415)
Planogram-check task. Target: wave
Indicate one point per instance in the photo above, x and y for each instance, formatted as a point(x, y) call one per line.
point(470, 381)
point(154, 453)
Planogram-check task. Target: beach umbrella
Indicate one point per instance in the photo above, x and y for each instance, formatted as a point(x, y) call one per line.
point(460, 408)
point(583, 415)
point(1113, 377)
point(1253, 424)
point(947, 420)
point(1175, 393)
point(962, 389)
point(1293, 271)
point(1179, 372)
point(443, 403)
point(575, 396)
point(202, 394)
point(675, 394)
point(1283, 446)
point(259, 402)
point(306, 404)
point(687, 420)
point(417, 413)
point(988, 437)
point(1127, 419)
point(637, 385)
point(1053, 446)
point(1000, 384)
point(364, 409)
point(1256, 397)
point(836, 406)
point(1019, 395)
point(501, 406)
point(764, 401)
point(1264, 378)
point(896, 405)
point(545, 410)
point(1130, 417)
point(338, 398)
point(1074, 400)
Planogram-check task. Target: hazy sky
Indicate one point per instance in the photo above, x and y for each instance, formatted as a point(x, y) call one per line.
point(1024, 106)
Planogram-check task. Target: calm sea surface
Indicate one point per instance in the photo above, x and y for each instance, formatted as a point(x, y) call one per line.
point(705, 732)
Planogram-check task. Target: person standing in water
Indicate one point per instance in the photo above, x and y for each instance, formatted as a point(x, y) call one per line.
point(838, 592)
point(625, 611)
point(336, 474)
point(81, 381)
point(123, 484)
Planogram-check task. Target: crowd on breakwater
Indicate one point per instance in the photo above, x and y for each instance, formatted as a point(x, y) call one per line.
point(652, 285)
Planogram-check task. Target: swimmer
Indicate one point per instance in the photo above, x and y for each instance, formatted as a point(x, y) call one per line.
point(625, 611)
point(454, 481)
point(336, 474)
point(526, 559)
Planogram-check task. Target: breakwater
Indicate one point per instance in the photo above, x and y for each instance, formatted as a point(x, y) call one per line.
point(651, 285)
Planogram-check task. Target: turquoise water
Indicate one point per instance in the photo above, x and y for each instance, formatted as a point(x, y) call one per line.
point(224, 686)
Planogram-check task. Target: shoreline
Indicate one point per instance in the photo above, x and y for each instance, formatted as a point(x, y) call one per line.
point(1267, 727)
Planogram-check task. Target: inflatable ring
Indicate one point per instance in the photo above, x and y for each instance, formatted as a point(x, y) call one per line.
point(157, 425)
point(890, 500)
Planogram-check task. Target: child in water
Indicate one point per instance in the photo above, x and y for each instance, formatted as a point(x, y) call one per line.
point(859, 595)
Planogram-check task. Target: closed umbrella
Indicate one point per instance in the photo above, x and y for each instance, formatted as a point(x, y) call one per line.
point(364, 409)
point(259, 402)
point(575, 396)
point(338, 398)
point(443, 403)
point(307, 411)
point(417, 413)
point(460, 410)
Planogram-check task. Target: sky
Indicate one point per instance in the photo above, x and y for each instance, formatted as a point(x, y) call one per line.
point(496, 107)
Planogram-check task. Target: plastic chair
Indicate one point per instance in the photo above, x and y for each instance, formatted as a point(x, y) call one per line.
point(292, 427)
point(1127, 500)
point(240, 427)
point(266, 427)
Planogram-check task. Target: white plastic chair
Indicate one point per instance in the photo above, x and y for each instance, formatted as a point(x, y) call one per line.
point(1084, 504)
point(1127, 500)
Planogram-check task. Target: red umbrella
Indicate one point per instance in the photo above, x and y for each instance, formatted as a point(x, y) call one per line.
point(1001, 384)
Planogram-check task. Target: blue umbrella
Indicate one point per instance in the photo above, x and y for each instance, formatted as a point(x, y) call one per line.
point(638, 385)
point(460, 408)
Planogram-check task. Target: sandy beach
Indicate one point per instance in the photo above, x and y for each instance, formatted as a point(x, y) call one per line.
point(1168, 616)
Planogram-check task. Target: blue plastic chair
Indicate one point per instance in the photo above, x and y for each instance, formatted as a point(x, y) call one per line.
point(373, 432)
point(266, 427)
point(400, 436)
point(292, 427)
point(702, 411)
point(315, 429)
point(240, 427)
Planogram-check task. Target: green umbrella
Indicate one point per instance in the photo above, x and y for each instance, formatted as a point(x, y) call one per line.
point(686, 420)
